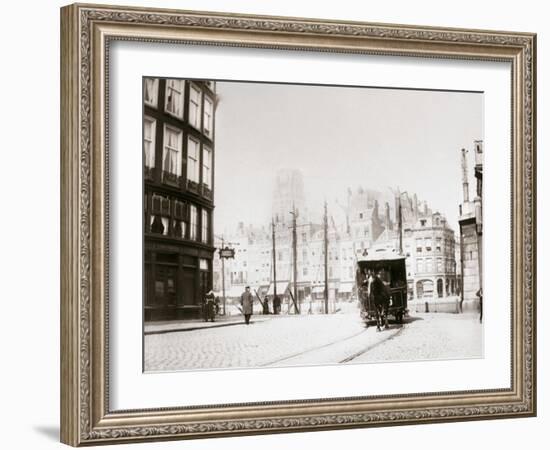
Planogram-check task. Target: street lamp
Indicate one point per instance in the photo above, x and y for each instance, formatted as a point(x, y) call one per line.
point(225, 252)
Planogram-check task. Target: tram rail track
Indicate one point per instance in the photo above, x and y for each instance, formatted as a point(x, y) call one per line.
point(347, 359)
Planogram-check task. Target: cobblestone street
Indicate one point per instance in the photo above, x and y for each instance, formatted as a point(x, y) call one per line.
point(311, 339)
point(432, 336)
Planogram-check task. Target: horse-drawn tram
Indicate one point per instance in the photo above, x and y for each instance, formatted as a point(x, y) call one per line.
point(382, 287)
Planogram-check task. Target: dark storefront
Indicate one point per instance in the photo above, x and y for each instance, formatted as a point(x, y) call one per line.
point(176, 280)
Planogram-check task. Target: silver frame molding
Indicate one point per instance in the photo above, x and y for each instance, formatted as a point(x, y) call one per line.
point(86, 31)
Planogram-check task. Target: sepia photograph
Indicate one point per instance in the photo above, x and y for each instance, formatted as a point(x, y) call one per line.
point(294, 224)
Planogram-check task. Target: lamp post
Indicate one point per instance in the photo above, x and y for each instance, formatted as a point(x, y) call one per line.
point(225, 252)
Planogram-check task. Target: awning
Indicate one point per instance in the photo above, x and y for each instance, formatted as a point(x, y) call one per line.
point(262, 290)
point(346, 288)
point(282, 286)
point(319, 289)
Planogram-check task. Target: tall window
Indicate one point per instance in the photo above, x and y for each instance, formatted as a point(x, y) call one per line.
point(428, 243)
point(150, 91)
point(193, 159)
point(179, 214)
point(172, 151)
point(419, 265)
point(194, 106)
point(207, 167)
point(429, 265)
point(149, 129)
point(180, 228)
point(193, 222)
point(205, 229)
point(207, 121)
point(173, 103)
point(159, 224)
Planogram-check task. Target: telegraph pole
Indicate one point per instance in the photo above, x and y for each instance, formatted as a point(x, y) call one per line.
point(274, 259)
point(400, 227)
point(295, 258)
point(223, 281)
point(325, 226)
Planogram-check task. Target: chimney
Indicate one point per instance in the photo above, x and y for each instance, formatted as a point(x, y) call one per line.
point(465, 177)
point(415, 206)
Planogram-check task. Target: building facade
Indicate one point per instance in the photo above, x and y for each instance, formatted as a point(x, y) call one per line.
point(365, 227)
point(178, 196)
point(471, 231)
point(429, 246)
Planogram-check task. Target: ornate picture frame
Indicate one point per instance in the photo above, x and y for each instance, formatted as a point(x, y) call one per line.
point(86, 34)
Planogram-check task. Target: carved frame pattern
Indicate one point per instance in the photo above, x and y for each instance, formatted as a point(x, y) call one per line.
point(96, 424)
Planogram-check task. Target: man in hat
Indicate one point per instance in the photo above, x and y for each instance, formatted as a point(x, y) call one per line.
point(247, 304)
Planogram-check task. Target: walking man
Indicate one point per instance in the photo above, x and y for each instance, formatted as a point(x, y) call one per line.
point(247, 303)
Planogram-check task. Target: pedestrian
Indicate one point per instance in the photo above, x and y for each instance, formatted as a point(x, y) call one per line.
point(276, 305)
point(247, 304)
point(209, 306)
point(480, 296)
point(265, 305)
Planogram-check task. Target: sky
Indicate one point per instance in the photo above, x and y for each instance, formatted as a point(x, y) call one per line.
point(339, 137)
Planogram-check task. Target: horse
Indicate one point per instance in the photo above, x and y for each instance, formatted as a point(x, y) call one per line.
point(381, 299)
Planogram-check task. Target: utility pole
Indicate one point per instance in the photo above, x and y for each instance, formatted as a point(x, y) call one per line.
point(465, 185)
point(400, 226)
point(274, 258)
point(295, 258)
point(325, 226)
point(223, 281)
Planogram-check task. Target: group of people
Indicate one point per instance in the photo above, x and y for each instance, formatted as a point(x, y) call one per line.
point(211, 305)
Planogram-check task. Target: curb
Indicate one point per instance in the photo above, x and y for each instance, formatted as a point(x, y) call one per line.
point(180, 330)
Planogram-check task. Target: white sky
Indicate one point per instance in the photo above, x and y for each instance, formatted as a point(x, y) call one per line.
point(339, 137)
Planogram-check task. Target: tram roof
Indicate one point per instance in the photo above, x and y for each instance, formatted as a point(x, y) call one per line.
point(385, 255)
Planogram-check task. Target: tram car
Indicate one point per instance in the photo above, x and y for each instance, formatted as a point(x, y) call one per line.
point(391, 268)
